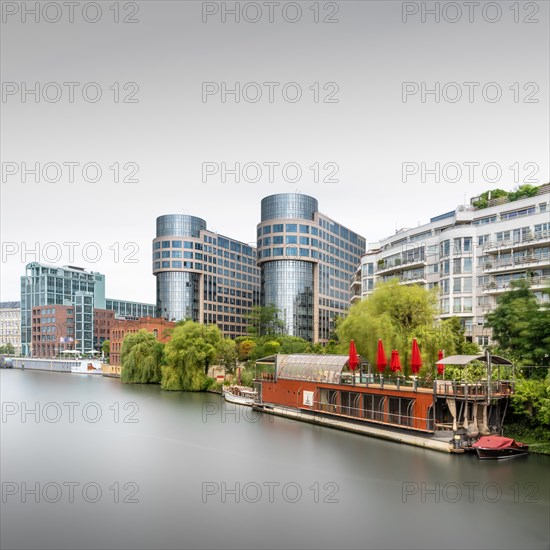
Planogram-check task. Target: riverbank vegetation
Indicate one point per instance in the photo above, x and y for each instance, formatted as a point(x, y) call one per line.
point(394, 313)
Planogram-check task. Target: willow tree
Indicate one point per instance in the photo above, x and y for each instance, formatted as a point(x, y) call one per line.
point(396, 314)
point(141, 358)
point(188, 354)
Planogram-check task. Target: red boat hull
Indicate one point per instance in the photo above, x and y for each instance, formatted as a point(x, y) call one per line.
point(495, 447)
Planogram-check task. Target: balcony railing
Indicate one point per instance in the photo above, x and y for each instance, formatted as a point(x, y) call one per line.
point(398, 264)
point(535, 283)
point(512, 263)
point(531, 238)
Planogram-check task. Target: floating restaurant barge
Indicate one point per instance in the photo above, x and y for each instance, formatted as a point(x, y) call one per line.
point(443, 415)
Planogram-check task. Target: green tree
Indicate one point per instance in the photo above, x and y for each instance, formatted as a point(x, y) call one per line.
point(245, 348)
point(265, 321)
point(531, 400)
point(227, 355)
point(141, 358)
point(188, 354)
point(7, 349)
point(461, 345)
point(106, 348)
point(396, 314)
point(520, 325)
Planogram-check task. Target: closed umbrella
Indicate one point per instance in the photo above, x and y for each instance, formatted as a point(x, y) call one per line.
point(395, 362)
point(416, 360)
point(353, 361)
point(440, 368)
point(381, 361)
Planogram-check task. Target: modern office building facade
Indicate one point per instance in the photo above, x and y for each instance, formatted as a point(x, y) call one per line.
point(203, 276)
point(130, 310)
point(47, 285)
point(469, 255)
point(10, 325)
point(306, 262)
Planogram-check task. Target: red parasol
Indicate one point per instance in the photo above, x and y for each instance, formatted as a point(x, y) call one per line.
point(395, 362)
point(416, 360)
point(381, 361)
point(440, 368)
point(353, 361)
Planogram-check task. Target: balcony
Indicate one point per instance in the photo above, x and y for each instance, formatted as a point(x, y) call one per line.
point(413, 280)
point(510, 264)
point(536, 283)
point(540, 237)
point(385, 268)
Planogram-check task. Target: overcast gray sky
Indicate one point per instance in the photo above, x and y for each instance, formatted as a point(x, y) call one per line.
point(356, 118)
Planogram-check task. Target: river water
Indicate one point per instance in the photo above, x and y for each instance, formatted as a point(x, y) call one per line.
point(87, 462)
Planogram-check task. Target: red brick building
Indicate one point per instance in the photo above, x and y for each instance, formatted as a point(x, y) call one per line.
point(53, 329)
point(121, 327)
point(103, 320)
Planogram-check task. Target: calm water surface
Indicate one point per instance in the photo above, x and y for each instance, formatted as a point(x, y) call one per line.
point(102, 465)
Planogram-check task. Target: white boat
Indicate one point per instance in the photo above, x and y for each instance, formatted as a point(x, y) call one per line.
point(241, 395)
point(88, 366)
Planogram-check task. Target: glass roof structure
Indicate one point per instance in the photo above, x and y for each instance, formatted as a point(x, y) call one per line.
point(315, 368)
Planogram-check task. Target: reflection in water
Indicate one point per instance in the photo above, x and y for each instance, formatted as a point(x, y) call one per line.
point(207, 474)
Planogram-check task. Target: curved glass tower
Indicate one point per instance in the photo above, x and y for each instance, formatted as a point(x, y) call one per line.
point(177, 290)
point(307, 261)
point(203, 276)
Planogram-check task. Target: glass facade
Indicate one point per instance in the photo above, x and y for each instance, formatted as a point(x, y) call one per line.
point(307, 262)
point(178, 295)
point(203, 276)
point(131, 310)
point(47, 284)
point(288, 206)
point(288, 285)
point(179, 225)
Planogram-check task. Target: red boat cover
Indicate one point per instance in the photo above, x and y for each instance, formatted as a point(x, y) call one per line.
point(493, 442)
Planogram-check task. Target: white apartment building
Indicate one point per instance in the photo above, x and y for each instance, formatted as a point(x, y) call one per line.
point(10, 325)
point(470, 255)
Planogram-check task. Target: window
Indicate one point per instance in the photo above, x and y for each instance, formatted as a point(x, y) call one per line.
point(176, 264)
point(165, 265)
point(467, 284)
point(291, 239)
point(165, 244)
point(291, 251)
point(304, 240)
point(176, 244)
point(278, 228)
point(304, 228)
point(482, 239)
point(457, 284)
point(304, 252)
point(266, 229)
point(278, 251)
point(467, 265)
point(291, 228)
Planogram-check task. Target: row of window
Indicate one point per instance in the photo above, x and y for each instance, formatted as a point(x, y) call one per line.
point(305, 230)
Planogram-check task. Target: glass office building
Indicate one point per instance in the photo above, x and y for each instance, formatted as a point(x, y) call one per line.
point(307, 260)
point(203, 276)
point(130, 310)
point(45, 284)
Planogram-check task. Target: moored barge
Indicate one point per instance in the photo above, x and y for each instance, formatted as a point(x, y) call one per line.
point(443, 415)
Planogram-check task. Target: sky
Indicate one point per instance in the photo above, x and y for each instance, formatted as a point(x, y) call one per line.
point(386, 113)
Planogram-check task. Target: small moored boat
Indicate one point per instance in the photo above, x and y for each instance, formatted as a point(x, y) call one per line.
point(496, 447)
point(241, 395)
